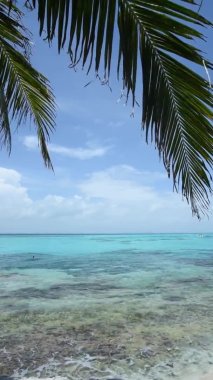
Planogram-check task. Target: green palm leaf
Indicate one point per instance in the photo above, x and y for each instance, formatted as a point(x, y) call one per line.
point(5, 133)
point(177, 102)
point(24, 93)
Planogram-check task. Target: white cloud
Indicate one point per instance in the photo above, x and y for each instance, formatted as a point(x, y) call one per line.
point(90, 151)
point(15, 201)
point(9, 177)
point(114, 185)
point(114, 200)
point(31, 142)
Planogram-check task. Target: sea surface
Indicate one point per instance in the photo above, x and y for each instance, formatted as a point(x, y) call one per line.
point(106, 307)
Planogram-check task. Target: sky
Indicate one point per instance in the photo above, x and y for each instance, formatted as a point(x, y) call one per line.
point(106, 179)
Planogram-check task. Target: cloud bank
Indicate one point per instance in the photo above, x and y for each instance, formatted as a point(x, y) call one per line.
point(118, 199)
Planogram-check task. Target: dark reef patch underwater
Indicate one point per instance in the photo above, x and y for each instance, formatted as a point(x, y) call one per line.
point(115, 307)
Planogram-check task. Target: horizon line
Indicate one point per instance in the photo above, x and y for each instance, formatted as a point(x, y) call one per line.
point(101, 233)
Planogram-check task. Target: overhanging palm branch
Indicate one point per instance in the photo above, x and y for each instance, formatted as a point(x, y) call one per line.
point(24, 93)
point(158, 37)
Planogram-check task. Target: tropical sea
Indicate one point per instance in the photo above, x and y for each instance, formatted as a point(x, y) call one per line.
point(106, 307)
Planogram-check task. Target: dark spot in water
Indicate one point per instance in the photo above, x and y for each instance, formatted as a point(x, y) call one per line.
point(201, 262)
point(173, 298)
point(198, 308)
point(4, 296)
point(15, 308)
point(146, 294)
point(10, 275)
point(62, 290)
point(6, 275)
point(192, 281)
point(204, 262)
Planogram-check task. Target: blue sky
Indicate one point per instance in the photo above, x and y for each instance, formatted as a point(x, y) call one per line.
point(106, 178)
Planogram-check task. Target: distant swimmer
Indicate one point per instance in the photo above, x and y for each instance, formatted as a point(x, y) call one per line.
point(33, 257)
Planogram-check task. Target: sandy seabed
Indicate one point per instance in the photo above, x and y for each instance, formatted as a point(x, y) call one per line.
point(129, 308)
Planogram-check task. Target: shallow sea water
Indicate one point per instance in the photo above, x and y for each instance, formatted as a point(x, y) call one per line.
point(113, 307)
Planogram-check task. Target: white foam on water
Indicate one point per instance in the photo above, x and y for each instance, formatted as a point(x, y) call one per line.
point(193, 365)
point(46, 378)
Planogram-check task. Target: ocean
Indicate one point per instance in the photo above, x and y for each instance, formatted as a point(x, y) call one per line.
point(106, 307)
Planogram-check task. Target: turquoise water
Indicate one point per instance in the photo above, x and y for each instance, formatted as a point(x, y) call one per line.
point(106, 306)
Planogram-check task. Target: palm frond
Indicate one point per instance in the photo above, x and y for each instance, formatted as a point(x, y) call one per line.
point(5, 132)
point(177, 102)
point(25, 93)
